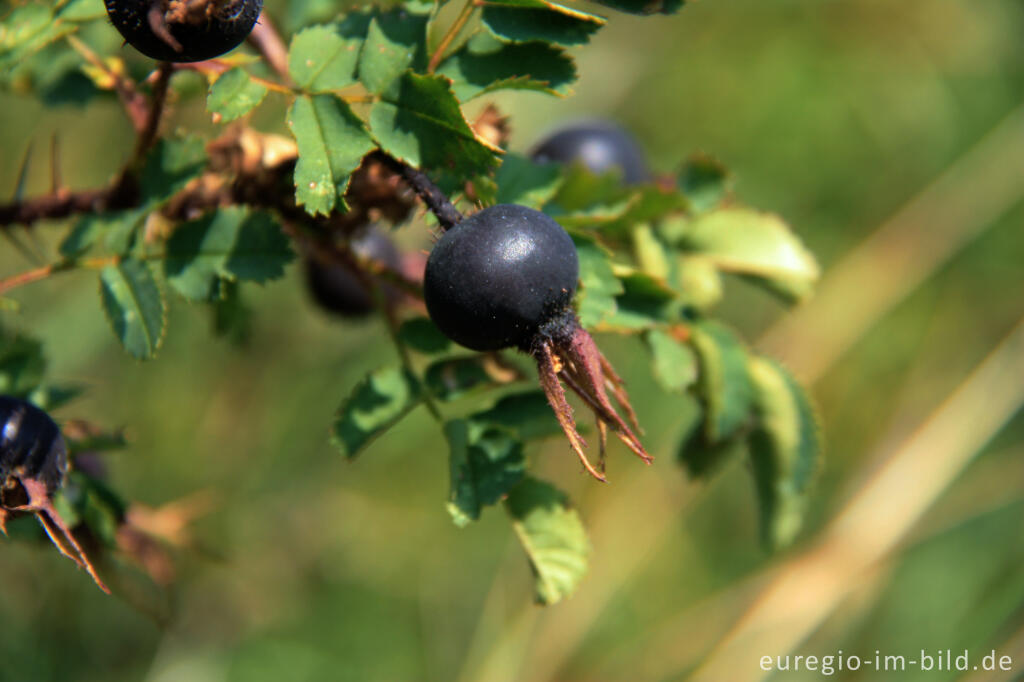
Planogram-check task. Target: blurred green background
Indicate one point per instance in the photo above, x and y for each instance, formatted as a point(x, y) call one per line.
point(843, 117)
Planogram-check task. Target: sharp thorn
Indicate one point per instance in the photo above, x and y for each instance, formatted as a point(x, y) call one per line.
point(55, 179)
point(19, 187)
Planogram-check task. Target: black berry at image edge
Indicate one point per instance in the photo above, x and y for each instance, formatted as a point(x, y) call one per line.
point(231, 21)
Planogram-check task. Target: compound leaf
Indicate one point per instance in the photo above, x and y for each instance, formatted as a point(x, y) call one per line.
point(134, 306)
point(553, 536)
point(378, 402)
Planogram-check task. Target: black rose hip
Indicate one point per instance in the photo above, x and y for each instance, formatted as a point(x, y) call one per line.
point(184, 30)
point(33, 464)
point(505, 277)
point(496, 278)
point(337, 288)
point(599, 146)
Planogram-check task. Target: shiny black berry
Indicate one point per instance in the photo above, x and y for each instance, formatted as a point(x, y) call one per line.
point(337, 289)
point(31, 447)
point(497, 278)
point(184, 30)
point(597, 145)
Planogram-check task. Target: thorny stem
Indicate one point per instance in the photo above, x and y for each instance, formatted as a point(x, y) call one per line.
point(63, 204)
point(453, 32)
point(436, 200)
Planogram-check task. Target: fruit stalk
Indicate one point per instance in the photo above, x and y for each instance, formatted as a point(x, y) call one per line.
point(444, 210)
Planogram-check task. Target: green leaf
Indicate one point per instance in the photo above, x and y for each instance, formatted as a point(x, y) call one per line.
point(521, 181)
point(419, 122)
point(645, 302)
point(321, 59)
point(230, 244)
point(393, 44)
point(378, 402)
point(87, 230)
point(525, 20)
point(234, 94)
point(95, 440)
point(526, 414)
point(705, 181)
point(485, 65)
point(86, 499)
point(26, 30)
point(593, 197)
point(485, 463)
point(724, 385)
point(702, 458)
point(134, 306)
point(758, 245)
point(49, 398)
point(598, 284)
point(451, 378)
point(697, 281)
point(82, 10)
point(22, 365)
point(421, 334)
point(674, 364)
point(170, 165)
point(651, 254)
point(785, 450)
point(644, 6)
point(553, 536)
point(232, 318)
point(332, 142)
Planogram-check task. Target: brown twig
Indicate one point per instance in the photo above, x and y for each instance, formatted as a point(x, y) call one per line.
point(156, 107)
point(267, 41)
point(133, 101)
point(62, 204)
